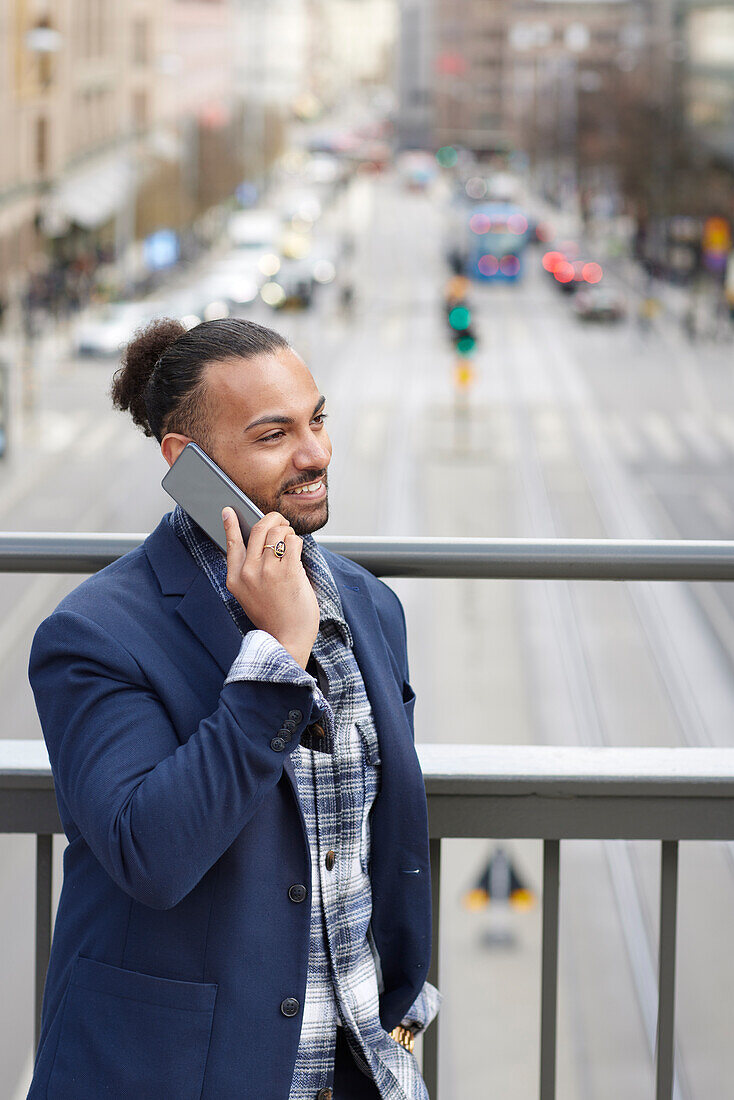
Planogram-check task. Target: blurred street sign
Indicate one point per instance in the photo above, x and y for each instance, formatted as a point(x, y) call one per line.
point(716, 244)
point(717, 234)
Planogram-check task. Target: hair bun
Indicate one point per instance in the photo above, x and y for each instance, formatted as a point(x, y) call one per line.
point(138, 363)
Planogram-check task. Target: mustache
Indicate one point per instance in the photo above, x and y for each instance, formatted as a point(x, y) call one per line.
point(305, 481)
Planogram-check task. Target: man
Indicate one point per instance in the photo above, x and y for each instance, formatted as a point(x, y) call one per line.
point(246, 901)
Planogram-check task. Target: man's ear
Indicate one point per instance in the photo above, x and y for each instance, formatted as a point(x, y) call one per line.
point(172, 444)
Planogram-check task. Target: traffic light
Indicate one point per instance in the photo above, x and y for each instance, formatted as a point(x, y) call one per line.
point(466, 343)
point(462, 333)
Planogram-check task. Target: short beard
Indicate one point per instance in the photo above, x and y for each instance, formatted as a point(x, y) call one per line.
point(302, 525)
point(305, 526)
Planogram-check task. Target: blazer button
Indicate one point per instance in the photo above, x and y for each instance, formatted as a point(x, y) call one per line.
point(277, 744)
point(330, 860)
point(297, 892)
point(295, 715)
point(317, 730)
point(289, 1007)
point(285, 734)
point(324, 1094)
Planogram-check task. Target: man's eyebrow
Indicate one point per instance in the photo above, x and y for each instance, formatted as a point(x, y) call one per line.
point(267, 419)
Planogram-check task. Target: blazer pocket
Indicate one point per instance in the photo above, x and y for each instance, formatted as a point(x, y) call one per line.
point(408, 701)
point(125, 1034)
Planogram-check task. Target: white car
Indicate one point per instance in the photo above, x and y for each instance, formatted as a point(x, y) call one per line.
point(254, 230)
point(105, 331)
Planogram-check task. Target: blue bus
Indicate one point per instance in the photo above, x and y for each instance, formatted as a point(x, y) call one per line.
point(496, 235)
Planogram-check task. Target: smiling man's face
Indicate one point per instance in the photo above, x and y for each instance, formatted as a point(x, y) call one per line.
point(267, 432)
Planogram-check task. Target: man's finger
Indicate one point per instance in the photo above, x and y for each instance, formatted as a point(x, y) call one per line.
point(259, 533)
point(235, 542)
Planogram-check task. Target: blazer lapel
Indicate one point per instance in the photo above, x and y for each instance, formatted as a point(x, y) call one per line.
point(370, 648)
point(204, 612)
point(200, 607)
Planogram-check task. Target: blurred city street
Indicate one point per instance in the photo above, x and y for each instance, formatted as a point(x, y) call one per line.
point(569, 430)
point(500, 236)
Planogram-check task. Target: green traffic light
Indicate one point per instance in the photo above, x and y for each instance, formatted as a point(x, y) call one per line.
point(447, 156)
point(466, 345)
point(460, 318)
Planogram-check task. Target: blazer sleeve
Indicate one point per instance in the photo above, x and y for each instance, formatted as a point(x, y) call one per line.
point(156, 813)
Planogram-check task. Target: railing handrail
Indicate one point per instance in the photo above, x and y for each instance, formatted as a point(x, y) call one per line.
point(548, 559)
point(516, 791)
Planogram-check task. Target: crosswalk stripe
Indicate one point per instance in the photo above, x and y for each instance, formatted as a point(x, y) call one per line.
point(724, 426)
point(718, 507)
point(700, 438)
point(551, 435)
point(659, 431)
point(624, 441)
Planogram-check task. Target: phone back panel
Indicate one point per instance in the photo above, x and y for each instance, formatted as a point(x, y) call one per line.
point(202, 489)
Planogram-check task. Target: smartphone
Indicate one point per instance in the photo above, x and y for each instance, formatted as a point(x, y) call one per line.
point(203, 490)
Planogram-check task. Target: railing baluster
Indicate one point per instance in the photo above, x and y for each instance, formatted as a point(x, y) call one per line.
point(549, 978)
point(44, 872)
point(430, 1039)
point(666, 978)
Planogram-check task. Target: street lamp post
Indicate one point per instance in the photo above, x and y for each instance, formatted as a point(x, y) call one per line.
point(42, 41)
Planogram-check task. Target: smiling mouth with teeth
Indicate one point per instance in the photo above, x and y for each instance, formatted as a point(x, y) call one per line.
point(312, 489)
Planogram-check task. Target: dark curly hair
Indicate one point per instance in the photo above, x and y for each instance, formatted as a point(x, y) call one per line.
point(161, 380)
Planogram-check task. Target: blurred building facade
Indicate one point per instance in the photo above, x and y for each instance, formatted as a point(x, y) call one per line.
point(706, 63)
point(414, 75)
point(617, 102)
point(120, 120)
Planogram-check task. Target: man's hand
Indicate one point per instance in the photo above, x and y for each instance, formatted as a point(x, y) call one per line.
point(274, 593)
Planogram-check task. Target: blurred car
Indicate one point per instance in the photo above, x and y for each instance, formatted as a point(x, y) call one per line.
point(322, 169)
point(570, 272)
point(105, 331)
point(254, 230)
point(237, 283)
point(417, 169)
point(599, 303)
point(324, 257)
point(299, 207)
point(291, 287)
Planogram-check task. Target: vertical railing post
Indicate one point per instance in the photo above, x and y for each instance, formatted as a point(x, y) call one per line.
point(666, 972)
point(549, 976)
point(430, 1039)
point(44, 871)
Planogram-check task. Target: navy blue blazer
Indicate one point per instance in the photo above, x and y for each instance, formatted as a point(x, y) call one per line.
point(176, 941)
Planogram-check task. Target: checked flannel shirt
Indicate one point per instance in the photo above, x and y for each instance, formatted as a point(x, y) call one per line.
point(338, 778)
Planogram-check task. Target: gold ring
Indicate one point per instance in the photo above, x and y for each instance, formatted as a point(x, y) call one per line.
point(278, 549)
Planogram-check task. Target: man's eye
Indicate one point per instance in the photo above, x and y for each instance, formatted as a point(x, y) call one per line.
point(319, 419)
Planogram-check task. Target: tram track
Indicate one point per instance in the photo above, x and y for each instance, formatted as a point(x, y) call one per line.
point(588, 724)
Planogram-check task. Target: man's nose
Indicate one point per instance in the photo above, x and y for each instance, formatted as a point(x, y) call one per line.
point(313, 454)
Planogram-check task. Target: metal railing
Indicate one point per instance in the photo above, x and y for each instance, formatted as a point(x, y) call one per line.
point(493, 791)
point(551, 794)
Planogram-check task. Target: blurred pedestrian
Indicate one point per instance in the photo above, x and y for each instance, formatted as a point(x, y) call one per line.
point(346, 296)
